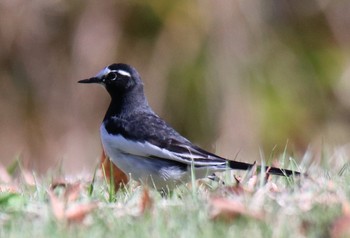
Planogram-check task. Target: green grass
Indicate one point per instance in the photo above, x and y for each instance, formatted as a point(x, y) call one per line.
point(281, 207)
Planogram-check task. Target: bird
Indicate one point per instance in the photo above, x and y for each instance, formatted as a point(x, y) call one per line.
point(144, 146)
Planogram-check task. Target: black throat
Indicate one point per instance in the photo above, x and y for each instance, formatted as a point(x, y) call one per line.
point(126, 102)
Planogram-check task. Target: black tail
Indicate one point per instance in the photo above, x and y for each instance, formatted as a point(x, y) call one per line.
point(270, 170)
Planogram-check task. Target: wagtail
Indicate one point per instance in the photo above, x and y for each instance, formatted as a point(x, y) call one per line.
point(143, 145)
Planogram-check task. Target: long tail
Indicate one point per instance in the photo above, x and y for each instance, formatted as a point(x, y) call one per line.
point(268, 169)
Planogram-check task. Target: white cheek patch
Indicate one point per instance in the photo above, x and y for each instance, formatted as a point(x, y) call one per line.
point(124, 73)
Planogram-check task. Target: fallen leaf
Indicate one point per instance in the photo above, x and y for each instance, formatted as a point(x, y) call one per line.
point(74, 213)
point(79, 212)
point(73, 191)
point(4, 175)
point(267, 175)
point(254, 168)
point(9, 188)
point(236, 189)
point(58, 183)
point(146, 201)
point(57, 206)
point(305, 227)
point(238, 179)
point(252, 182)
point(227, 209)
point(346, 208)
point(119, 177)
point(28, 177)
point(273, 188)
point(341, 227)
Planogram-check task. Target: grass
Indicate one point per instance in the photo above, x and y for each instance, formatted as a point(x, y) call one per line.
point(312, 206)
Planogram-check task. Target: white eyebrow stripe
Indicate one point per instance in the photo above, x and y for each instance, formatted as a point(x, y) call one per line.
point(122, 72)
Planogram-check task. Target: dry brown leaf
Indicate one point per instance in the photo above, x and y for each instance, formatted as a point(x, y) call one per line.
point(236, 189)
point(203, 184)
point(58, 183)
point(273, 188)
point(252, 182)
point(119, 176)
point(341, 227)
point(4, 175)
point(254, 168)
point(73, 191)
point(305, 227)
point(57, 206)
point(75, 213)
point(275, 163)
point(9, 188)
point(146, 201)
point(267, 175)
point(28, 177)
point(238, 179)
point(346, 208)
point(79, 212)
point(224, 208)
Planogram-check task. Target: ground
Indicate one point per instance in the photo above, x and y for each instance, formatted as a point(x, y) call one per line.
point(248, 204)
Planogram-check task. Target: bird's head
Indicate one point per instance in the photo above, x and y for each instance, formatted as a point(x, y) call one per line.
point(116, 78)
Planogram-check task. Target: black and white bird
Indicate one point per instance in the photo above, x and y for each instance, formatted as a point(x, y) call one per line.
point(143, 145)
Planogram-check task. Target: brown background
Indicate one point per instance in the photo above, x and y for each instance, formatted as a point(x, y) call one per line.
point(233, 76)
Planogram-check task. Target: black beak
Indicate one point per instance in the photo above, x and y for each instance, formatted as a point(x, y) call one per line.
point(91, 80)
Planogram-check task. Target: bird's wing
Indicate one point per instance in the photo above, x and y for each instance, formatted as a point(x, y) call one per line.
point(147, 135)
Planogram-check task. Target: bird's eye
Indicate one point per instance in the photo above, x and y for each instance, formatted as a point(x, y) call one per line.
point(111, 76)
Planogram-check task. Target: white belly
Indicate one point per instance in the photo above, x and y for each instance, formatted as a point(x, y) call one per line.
point(158, 173)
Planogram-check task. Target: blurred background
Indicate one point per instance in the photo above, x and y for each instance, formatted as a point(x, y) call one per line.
point(236, 77)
